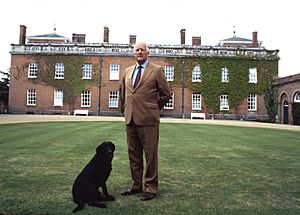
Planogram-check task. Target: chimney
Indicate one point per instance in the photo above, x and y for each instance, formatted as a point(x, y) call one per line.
point(254, 39)
point(78, 38)
point(132, 39)
point(196, 41)
point(182, 36)
point(106, 35)
point(22, 35)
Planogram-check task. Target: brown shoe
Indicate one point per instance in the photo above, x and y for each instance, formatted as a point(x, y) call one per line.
point(148, 196)
point(131, 191)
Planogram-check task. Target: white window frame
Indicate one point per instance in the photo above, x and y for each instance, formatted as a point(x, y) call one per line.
point(224, 105)
point(196, 74)
point(297, 97)
point(196, 101)
point(114, 72)
point(86, 96)
point(31, 97)
point(87, 71)
point(225, 74)
point(170, 104)
point(32, 70)
point(253, 75)
point(169, 72)
point(252, 102)
point(59, 71)
point(58, 98)
point(113, 100)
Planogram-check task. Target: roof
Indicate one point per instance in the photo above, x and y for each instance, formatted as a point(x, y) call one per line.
point(52, 36)
point(237, 39)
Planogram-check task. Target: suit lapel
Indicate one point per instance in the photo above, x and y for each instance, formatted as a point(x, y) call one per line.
point(129, 77)
point(146, 73)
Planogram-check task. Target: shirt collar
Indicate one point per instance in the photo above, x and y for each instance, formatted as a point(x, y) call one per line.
point(143, 65)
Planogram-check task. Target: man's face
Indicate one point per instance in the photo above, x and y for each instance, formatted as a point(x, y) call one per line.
point(140, 52)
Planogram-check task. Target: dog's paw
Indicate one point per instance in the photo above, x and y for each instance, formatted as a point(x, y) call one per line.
point(109, 198)
point(97, 204)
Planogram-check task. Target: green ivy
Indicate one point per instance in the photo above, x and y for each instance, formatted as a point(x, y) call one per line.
point(211, 86)
point(72, 85)
point(271, 100)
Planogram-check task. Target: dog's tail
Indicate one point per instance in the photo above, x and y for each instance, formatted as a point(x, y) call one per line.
point(78, 208)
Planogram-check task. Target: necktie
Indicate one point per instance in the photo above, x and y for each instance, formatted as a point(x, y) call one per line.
point(138, 77)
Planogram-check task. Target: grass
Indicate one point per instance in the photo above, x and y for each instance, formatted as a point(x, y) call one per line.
point(203, 169)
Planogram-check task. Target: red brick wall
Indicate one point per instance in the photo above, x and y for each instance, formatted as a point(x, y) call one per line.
point(20, 84)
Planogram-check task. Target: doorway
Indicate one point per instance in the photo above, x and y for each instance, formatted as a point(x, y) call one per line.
point(285, 112)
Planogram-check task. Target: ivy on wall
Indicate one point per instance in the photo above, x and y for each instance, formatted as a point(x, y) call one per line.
point(72, 84)
point(211, 86)
point(271, 100)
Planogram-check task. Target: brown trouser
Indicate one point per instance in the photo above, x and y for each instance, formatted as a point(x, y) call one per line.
point(139, 139)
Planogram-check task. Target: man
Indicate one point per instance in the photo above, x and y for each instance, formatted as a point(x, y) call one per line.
point(144, 92)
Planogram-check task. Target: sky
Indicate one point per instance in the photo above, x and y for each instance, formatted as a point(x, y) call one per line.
point(157, 22)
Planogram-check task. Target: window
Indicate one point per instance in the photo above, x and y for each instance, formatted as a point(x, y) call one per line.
point(32, 70)
point(224, 74)
point(252, 102)
point(114, 72)
point(170, 104)
point(58, 98)
point(87, 71)
point(59, 71)
point(252, 75)
point(86, 98)
point(196, 74)
point(196, 101)
point(113, 99)
point(297, 97)
point(169, 71)
point(31, 97)
point(224, 102)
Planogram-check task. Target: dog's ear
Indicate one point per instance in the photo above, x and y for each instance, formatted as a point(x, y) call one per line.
point(113, 147)
point(99, 148)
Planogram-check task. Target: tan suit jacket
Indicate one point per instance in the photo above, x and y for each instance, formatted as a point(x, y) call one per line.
point(143, 103)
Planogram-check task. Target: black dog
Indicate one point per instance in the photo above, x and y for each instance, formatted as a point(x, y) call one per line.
point(92, 177)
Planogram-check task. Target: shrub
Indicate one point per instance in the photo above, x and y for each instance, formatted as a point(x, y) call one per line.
point(296, 113)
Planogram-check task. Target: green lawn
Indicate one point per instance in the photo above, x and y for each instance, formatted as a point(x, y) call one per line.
point(203, 169)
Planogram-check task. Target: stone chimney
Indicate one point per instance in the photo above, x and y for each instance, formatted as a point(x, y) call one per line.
point(196, 41)
point(78, 38)
point(182, 36)
point(106, 35)
point(22, 35)
point(254, 39)
point(132, 39)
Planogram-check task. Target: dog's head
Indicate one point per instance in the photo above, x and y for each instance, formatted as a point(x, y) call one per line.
point(105, 150)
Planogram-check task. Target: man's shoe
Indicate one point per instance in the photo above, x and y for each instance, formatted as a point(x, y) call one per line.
point(131, 191)
point(148, 196)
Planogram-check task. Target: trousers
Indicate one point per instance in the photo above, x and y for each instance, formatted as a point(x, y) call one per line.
point(143, 140)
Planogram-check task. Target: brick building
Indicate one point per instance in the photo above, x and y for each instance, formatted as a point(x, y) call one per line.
point(241, 69)
point(288, 93)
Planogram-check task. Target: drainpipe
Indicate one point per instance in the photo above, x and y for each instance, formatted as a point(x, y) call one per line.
point(182, 90)
point(100, 83)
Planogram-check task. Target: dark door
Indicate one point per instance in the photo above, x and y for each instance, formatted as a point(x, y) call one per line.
point(285, 112)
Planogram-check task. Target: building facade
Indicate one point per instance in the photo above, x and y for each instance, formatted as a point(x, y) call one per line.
point(51, 74)
point(288, 94)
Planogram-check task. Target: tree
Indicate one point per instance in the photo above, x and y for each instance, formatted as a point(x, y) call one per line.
point(4, 90)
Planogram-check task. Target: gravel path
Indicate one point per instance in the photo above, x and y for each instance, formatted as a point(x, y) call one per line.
point(9, 118)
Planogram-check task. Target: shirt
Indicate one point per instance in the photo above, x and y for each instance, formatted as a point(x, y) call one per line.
point(136, 71)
